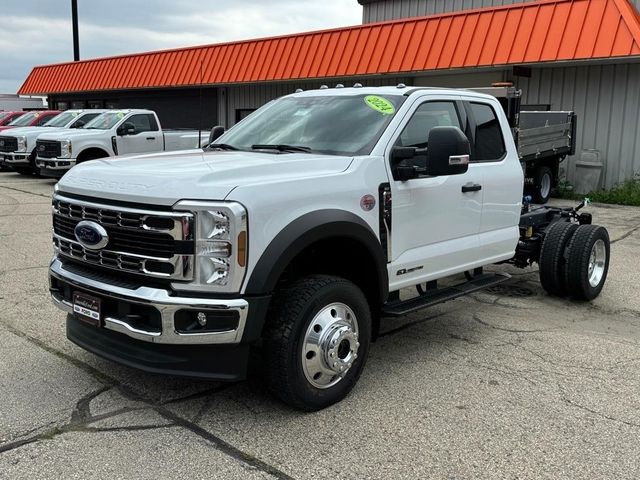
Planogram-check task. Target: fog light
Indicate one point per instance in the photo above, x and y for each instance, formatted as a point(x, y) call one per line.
point(194, 321)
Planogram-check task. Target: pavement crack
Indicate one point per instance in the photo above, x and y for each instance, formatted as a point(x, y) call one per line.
point(511, 330)
point(625, 235)
point(130, 394)
point(600, 414)
point(24, 191)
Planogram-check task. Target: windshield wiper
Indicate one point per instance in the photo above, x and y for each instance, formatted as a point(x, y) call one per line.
point(282, 148)
point(221, 146)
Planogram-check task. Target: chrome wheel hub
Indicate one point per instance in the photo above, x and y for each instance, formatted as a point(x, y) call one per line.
point(597, 261)
point(545, 186)
point(330, 345)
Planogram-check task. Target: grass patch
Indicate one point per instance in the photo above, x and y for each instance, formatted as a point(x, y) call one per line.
point(626, 193)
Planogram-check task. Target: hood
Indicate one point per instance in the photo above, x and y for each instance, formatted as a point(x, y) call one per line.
point(72, 133)
point(5, 127)
point(16, 131)
point(163, 179)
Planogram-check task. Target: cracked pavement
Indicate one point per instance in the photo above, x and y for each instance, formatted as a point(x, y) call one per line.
point(506, 383)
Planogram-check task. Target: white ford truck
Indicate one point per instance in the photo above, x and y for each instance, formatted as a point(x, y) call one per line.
point(18, 145)
point(117, 132)
point(294, 232)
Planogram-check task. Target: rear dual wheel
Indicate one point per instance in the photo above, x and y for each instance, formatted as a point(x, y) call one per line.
point(574, 260)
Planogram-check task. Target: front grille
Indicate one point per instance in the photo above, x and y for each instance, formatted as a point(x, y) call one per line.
point(8, 144)
point(48, 149)
point(154, 244)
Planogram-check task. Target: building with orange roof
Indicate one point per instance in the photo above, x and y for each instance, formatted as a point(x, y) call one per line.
point(581, 55)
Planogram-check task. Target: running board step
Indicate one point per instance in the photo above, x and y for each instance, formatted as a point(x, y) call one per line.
point(441, 295)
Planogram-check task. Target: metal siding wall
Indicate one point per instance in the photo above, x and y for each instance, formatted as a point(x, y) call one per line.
point(607, 101)
point(255, 96)
point(394, 9)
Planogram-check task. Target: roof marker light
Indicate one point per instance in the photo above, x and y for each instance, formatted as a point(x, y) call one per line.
point(401, 85)
point(357, 85)
point(299, 90)
point(339, 85)
point(323, 87)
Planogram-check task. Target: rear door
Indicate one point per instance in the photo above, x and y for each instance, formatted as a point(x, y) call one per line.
point(435, 224)
point(493, 150)
point(147, 137)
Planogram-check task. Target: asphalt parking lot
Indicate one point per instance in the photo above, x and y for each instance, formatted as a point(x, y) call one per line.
point(509, 383)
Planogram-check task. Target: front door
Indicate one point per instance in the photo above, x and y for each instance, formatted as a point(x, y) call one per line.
point(435, 224)
point(147, 137)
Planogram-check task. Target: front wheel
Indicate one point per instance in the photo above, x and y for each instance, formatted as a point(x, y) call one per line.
point(316, 341)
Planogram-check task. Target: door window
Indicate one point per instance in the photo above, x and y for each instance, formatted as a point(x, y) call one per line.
point(489, 142)
point(143, 123)
point(426, 116)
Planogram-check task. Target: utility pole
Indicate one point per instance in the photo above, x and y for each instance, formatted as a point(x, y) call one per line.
point(74, 21)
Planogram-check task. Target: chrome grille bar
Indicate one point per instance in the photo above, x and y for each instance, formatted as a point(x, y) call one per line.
point(144, 241)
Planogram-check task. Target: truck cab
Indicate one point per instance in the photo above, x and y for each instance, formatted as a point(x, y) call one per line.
point(115, 132)
point(294, 233)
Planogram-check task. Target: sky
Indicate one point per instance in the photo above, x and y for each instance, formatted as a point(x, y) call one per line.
point(38, 32)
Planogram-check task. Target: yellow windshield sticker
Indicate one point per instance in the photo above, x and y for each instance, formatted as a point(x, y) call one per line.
point(120, 114)
point(380, 104)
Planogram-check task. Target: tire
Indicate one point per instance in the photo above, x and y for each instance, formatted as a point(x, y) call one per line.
point(542, 184)
point(31, 169)
point(26, 171)
point(552, 257)
point(587, 262)
point(303, 321)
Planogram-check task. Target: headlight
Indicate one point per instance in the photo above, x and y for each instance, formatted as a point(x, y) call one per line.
point(22, 144)
point(65, 148)
point(220, 246)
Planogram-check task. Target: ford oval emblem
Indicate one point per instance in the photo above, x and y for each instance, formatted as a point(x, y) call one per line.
point(91, 235)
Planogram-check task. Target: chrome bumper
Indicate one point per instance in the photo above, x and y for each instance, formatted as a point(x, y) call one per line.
point(159, 299)
point(15, 158)
point(55, 163)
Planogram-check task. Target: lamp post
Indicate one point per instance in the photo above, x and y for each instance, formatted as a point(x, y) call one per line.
point(74, 21)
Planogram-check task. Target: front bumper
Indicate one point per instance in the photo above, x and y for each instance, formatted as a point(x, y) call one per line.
point(140, 329)
point(15, 159)
point(55, 163)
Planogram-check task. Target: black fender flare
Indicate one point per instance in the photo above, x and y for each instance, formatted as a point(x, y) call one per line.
point(303, 232)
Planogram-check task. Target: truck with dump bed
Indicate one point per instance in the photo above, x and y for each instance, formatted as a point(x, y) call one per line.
point(292, 234)
point(116, 132)
point(18, 145)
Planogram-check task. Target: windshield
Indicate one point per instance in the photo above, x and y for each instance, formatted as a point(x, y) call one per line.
point(61, 120)
point(105, 121)
point(334, 125)
point(4, 115)
point(25, 120)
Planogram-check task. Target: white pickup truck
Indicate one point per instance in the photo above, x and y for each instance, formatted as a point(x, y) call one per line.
point(117, 132)
point(294, 232)
point(18, 145)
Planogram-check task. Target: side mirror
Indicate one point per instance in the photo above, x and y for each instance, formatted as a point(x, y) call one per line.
point(216, 132)
point(448, 152)
point(78, 124)
point(405, 172)
point(126, 129)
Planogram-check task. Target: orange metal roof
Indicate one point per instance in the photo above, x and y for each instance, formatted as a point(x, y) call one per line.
point(524, 33)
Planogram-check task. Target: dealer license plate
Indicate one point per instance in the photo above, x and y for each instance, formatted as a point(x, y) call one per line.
point(87, 308)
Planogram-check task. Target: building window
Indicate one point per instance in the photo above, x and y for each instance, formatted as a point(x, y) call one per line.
point(96, 104)
point(78, 104)
point(242, 113)
point(62, 105)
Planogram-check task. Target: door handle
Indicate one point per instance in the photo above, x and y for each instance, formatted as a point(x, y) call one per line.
point(151, 138)
point(471, 187)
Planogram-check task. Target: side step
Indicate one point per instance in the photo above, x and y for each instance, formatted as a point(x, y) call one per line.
point(440, 295)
